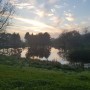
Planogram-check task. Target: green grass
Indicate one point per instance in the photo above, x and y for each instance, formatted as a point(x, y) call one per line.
point(23, 62)
point(16, 78)
point(41, 75)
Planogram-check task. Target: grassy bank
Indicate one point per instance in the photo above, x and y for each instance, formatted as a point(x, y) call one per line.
point(16, 78)
point(23, 62)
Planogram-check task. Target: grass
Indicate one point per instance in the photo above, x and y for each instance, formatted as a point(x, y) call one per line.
point(16, 78)
point(22, 62)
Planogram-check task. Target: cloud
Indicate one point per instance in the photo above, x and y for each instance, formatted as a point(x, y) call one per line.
point(53, 10)
point(43, 13)
point(32, 26)
point(75, 26)
point(35, 23)
point(32, 29)
point(27, 4)
point(35, 8)
point(40, 13)
point(58, 6)
point(24, 5)
point(52, 1)
point(13, 1)
point(56, 20)
point(69, 16)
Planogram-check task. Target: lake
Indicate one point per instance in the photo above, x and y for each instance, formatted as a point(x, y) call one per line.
point(54, 56)
point(50, 54)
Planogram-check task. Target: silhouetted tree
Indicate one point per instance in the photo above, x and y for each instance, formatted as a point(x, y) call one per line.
point(86, 40)
point(8, 40)
point(69, 40)
point(15, 40)
point(6, 10)
point(39, 40)
point(27, 38)
point(46, 39)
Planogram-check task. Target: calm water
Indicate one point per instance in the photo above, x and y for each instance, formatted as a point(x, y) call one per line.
point(54, 56)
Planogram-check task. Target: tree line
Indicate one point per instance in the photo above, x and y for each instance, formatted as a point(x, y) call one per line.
point(38, 40)
point(8, 40)
point(14, 40)
point(75, 46)
point(72, 40)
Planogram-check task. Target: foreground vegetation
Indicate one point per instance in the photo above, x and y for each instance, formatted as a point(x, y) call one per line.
point(45, 64)
point(15, 77)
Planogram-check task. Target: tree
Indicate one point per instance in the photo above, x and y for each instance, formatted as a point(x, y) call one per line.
point(10, 40)
point(86, 40)
point(38, 40)
point(27, 36)
point(16, 40)
point(46, 38)
point(69, 40)
point(6, 10)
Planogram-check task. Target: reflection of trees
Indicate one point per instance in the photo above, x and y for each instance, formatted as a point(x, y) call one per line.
point(79, 56)
point(38, 52)
point(15, 52)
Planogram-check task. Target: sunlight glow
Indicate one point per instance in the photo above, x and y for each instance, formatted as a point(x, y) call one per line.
point(34, 23)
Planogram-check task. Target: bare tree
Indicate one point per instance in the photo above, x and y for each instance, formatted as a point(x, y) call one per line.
point(6, 10)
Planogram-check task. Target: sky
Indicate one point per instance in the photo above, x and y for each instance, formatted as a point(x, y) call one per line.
point(52, 16)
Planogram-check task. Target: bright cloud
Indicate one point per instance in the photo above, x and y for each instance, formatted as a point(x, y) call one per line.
point(69, 16)
point(24, 5)
point(52, 1)
point(43, 13)
point(56, 21)
point(35, 23)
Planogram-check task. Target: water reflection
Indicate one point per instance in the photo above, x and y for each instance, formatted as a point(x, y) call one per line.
point(52, 55)
point(15, 52)
point(46, 53)
point(39, 52)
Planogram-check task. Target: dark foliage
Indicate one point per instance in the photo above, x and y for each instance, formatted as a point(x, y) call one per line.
point(39, 40)
point(75, 46)
point(8, 40)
